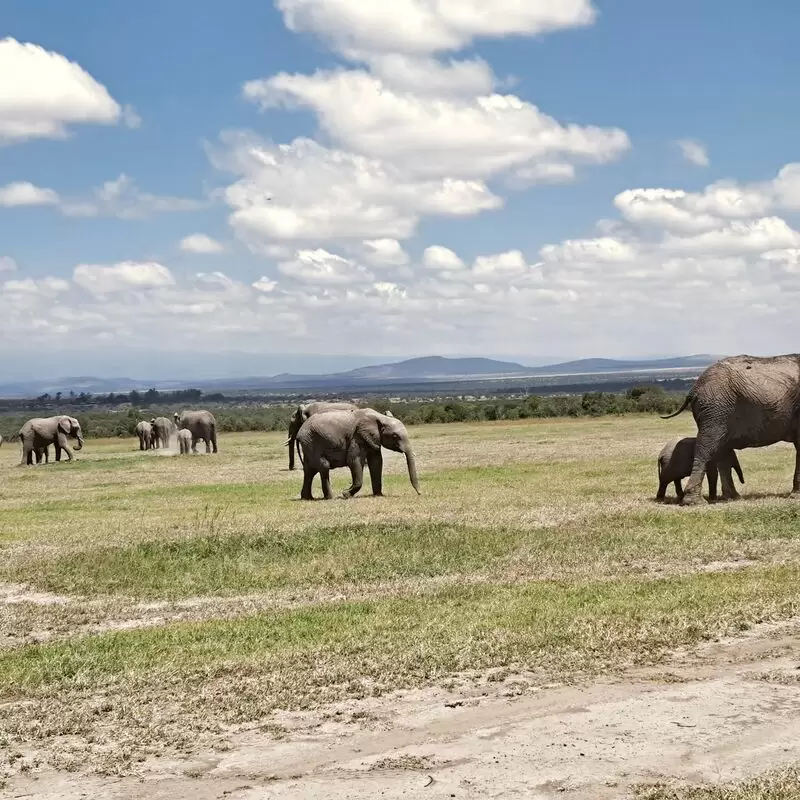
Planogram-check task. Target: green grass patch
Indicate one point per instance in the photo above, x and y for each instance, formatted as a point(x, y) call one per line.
point(542, 626)
point(220, 558)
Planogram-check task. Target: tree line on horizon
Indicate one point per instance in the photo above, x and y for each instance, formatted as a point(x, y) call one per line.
point(98, 422)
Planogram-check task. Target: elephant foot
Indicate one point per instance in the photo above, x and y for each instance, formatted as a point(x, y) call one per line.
point(795, 495)
point(691, 500)
point(306, 497)
point(378, 494)
point(731, 498)
point(345, 496)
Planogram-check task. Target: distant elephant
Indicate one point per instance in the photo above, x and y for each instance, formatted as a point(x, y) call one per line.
point(202, 425)
point(1, 441)
point(344, 439)
point(37, 434)
point(675, 463)
point(144, 430)
point(740, 402)
point(185, 441)
point(162, 430)
point(301, 414)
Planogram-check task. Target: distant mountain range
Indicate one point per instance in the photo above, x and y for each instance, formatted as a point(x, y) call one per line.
point(430, 369)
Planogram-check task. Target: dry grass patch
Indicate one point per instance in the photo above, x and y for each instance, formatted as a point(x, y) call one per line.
point(170, 684)
point(782, 785)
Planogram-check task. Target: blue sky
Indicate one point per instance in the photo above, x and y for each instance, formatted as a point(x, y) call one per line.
point(304, 184)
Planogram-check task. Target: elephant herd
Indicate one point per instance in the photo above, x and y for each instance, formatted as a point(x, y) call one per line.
point(737, 403)
point(190, 427)
point(37, 435)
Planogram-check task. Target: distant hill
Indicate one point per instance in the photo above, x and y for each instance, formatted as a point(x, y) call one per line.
point(429, 369)
point(436, 367)
point(588, 366)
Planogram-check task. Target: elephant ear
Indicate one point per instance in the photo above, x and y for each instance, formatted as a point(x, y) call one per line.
point(65, 425)
point(368, 427)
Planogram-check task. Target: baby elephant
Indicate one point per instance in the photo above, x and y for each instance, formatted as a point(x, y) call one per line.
point(185, 442)
point(675, 462)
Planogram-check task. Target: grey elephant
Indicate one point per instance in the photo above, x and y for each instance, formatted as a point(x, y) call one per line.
point(301, 414)
point(675, 463)
point(184, 441)
point(346, 439)
point(144, 430)
point(740, 402)
point(202, 425)
point(39, 433)
point(162, 430)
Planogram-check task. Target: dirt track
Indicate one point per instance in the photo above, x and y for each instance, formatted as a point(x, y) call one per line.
point(726, 711)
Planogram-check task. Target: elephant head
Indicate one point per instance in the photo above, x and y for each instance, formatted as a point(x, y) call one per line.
point(298, 418)
point(378, 430)
point(70, 426)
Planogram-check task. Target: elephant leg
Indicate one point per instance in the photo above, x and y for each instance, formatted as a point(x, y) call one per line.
point(678, 488)
point(375, 462)
point(325, 477)
point(796, 482)
point(207, 440)
point(291, 454)
point(308, 479)
point(61, 443)
point(214, 439)
point(58, 451)
point(712, 473)
point(27, 454)
point(194, 443)
point(357, 474)
point(661, 494)
point(710, 441)
point(726, 478)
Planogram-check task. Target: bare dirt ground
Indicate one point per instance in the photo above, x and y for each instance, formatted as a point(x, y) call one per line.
point(718, 713)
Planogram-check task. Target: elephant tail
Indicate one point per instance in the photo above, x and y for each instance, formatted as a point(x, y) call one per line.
point(737, 466)
point(686, 402)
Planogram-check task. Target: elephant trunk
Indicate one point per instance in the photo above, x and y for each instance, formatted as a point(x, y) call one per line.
point(79, 443)
point(411, 463)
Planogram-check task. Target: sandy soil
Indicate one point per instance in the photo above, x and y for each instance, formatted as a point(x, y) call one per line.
point(722, 712)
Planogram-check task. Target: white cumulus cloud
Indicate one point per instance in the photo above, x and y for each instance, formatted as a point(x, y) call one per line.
point(201, 243)
point(99, 279)
point(384, 253)
point(23, 193)
point(122, 198)
point(303, 192)
point(319, 267)
point(465, 137)
point(42, 93)
point(694, 152)
point(437, 257)
point(427, 26)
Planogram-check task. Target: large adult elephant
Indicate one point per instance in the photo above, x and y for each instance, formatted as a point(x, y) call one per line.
point(39, 433)
point(162, 430)
point(144, 430)
point(202, 425)
point(740, 402)
point(302, 413)
point(347, 438)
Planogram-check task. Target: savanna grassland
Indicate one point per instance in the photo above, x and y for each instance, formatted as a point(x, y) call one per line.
point(150, 604)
